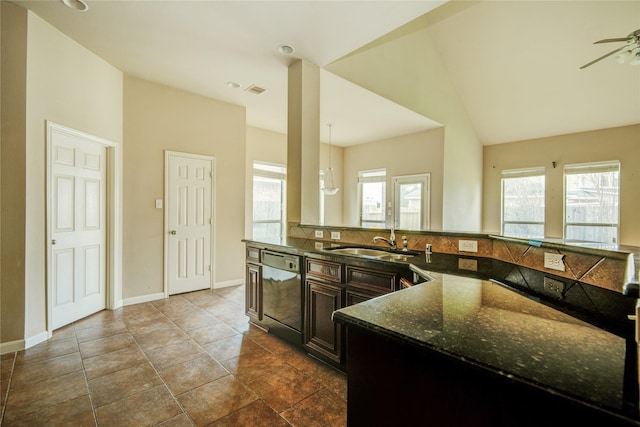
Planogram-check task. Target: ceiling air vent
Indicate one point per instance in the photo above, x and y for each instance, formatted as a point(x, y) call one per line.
point(257, 90)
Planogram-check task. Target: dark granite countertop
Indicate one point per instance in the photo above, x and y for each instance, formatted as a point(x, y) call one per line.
point(499, 330)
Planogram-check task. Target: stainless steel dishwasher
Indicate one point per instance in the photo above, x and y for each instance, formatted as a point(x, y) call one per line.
point(282, 294)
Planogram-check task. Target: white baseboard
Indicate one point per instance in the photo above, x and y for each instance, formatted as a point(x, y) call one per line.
point(228, 283)
point(11, 346)
point(19, 345)
point(143, 298)
point(36, 339)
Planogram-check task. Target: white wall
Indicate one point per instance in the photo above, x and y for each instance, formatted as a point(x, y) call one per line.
point(401, 60)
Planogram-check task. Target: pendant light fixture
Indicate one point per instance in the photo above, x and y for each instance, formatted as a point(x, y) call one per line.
point(329, 187)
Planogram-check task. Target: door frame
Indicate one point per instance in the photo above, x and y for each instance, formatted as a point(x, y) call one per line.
point(113, 220)
point(167, 155)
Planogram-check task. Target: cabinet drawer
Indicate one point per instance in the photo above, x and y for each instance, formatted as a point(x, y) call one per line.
point(321, 269)
point(253, 254)
point(371, 279)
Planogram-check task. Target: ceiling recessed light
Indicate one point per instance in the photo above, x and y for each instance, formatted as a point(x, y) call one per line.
point(233, 85)
point(78, 5)
point(286, 49)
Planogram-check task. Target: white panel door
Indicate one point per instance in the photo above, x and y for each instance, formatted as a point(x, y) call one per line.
point(189, 221)
point(77, 213)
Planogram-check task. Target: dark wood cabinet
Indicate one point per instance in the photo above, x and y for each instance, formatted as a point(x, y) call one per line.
point(322, 335)
point(253, 285)
point(254, 292)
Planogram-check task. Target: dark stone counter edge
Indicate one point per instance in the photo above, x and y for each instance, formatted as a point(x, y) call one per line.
point(354, 322)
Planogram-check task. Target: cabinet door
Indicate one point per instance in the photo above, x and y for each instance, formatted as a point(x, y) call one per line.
point(321, 333)
point(254, 291)
point(356, 296)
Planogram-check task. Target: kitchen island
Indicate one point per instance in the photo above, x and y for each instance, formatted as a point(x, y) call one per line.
point(473, 352)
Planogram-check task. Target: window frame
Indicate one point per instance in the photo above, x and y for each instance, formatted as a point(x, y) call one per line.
point(275, 172)
point(591, 167)
point(521, 173)
point(425, 195)
point(371, 176)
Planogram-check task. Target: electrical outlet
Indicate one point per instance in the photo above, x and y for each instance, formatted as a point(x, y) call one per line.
point(319, 245)
point(158, 203)
point(319, 234)
point(554, 261)
point(468, 245)
point(335, 235)
point(467, 264)
point(554, 287)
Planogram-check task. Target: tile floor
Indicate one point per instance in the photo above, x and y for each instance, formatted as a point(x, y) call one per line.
point(191, 359)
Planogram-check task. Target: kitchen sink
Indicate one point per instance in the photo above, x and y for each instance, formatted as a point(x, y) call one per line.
point(371, 253)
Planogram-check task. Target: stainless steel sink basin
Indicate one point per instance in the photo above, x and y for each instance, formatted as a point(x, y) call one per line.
point(374, 253)
point(371, 253)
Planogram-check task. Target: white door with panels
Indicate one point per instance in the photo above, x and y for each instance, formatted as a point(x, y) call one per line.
point(189, 222)
point(77, 226)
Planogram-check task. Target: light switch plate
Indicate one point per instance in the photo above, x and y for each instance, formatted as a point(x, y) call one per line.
point(158, 203)
point(468, 245)
point(554, 261)
point(335, 235)
point(319, 234)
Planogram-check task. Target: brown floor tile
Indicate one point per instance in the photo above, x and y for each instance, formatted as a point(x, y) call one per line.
point(178, 352)
point(181, 420)
point(160, 338)
point(303, 362)
point(147, 408)
point(101, 318)
point(322, 409)
point(235, 294)
point(252, 365)
point(230, 347)
point(75, 412)
point(105, 345)
point(212, 333)
point(269, 341)
point(35, 397)
point(256, 413)
point(188, 375)
point(114, 361)
point(6, 365)
point(64, 333)
point(112, 387)
point(172, 301)
point(47, 350)
point(194, 319)
point(334, 380)
point(31, 373)
point(140, 327)
point(215, 400)
point(284, 387)
point(101, 331)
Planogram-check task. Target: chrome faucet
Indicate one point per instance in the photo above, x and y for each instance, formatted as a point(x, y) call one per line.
point(391, 241)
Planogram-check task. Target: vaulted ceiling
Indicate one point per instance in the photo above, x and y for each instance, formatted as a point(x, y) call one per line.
point(515, 64)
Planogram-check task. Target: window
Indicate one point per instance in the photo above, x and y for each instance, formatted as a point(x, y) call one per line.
point(591, 201)
point(411, 201)
point(523, 203)
point(372, 198)
point(269, 203)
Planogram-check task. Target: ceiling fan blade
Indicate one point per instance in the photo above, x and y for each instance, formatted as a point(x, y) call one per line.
point(619, 39)
point(604, 56)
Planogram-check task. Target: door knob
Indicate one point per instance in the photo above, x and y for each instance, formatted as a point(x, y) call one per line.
point(53, 242)
point(173, 232)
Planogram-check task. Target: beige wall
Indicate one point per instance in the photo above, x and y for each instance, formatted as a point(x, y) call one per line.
point(400, 60)
point(159, 118)
point(411, 154)
point(69, 85)
point(620, 143)
point(13, 170)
